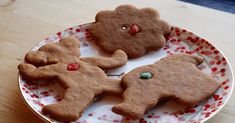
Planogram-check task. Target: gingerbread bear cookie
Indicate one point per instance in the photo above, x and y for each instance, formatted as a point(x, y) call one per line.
point(175, 77)
point(82, 78)
point(135, 31)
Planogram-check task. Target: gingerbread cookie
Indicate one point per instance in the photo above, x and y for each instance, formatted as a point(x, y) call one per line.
point(82, 78)
point(135, 31)
point(175, 77)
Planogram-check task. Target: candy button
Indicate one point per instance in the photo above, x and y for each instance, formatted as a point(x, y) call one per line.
point(134, 29)
point(146, 75)
point(73, 67)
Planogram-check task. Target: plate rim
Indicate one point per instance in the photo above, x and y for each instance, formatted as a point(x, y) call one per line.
point(46, 119)
point(232, 79)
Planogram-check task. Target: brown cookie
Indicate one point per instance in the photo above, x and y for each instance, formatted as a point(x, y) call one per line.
point(175, 77)
point(82, 78)
point(135, 31)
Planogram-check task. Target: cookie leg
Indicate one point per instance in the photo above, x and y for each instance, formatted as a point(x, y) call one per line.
point(71, 107)
point(113, 86)
point(134, 104)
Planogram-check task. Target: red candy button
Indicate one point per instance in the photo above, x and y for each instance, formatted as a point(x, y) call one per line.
point(73, 67)
point(134, 29)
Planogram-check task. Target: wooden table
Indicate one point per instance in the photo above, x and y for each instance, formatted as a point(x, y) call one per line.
point(25, 22)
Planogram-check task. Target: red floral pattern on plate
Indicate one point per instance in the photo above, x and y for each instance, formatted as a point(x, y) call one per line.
point(39, 93)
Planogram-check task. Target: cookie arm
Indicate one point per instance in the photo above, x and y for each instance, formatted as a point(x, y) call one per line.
point(112, 86)
point(31, 72)
point(119, 58)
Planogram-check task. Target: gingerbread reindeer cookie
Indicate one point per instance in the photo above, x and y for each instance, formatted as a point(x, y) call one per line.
point(82, 78)
point(176, 77)
point(135, 31)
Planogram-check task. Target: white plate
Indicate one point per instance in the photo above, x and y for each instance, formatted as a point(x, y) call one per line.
point(38, 94)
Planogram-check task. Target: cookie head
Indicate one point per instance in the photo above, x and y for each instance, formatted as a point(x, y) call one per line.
point(67, 50)
point(133, 30)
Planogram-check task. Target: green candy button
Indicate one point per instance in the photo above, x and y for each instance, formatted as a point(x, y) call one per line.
point(146, 75)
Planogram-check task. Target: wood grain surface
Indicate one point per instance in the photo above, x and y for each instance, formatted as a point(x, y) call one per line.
point(25, 22)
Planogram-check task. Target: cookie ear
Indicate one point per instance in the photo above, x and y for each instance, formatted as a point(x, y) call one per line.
point(103, 15)
point(198, 59)
point(69, 47)
point(69, 42)
point(36, 58)
point(151, 12)
point(166, 28)
point(191, 59)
